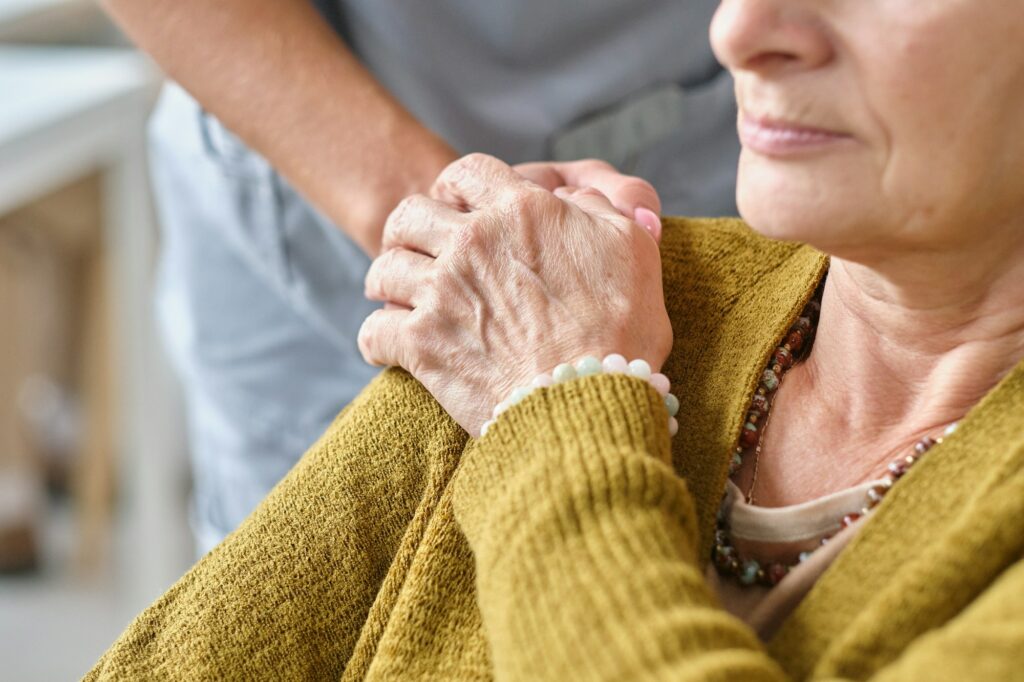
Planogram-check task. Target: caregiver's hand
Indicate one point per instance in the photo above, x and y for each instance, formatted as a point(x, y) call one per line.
point(505, 282)
point(634, 197)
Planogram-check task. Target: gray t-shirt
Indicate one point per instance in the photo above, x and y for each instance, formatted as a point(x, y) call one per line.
point(514, 79)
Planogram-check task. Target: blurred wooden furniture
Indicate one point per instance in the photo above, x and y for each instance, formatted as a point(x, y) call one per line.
point(56, 379)
point(69, 113)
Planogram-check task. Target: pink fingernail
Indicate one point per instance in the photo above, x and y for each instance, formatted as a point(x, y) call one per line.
point(649, 220)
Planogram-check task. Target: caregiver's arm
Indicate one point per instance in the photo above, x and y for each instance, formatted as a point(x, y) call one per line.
point(276, 74)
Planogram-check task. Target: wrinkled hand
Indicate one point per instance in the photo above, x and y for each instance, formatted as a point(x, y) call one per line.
point(502, 280)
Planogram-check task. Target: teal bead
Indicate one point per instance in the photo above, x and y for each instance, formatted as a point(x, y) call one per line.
point(672, 404)
point(564, 372)
point(748, 574)
point(804, 556)
point(588, 366)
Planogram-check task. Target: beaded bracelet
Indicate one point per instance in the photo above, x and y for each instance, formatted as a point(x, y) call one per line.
point(588, 366)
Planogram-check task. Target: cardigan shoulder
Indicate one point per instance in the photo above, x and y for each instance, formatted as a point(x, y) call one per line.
point(731, 294)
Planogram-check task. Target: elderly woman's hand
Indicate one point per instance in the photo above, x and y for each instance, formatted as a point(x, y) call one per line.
point(503, 280)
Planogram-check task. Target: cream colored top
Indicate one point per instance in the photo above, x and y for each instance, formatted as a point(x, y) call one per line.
point(780, 534)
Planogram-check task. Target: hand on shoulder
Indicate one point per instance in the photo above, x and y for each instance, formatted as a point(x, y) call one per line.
point(493, 279)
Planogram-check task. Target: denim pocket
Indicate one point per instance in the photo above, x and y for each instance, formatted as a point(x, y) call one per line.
point(255, 191)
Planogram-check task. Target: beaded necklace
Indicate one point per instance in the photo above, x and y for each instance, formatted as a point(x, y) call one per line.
point(749, 571)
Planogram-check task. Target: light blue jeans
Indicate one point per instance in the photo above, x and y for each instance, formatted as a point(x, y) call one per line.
point(260, 300)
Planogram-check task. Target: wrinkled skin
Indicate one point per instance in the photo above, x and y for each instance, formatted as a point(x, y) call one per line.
point(494, 279)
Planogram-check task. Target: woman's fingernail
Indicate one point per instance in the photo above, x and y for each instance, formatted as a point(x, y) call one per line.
point(648, 219)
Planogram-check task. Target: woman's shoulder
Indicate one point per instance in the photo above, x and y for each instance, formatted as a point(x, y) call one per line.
point(725, 250)
point(720, 261)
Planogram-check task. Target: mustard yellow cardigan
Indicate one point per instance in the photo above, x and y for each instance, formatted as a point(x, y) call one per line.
point(570, 543)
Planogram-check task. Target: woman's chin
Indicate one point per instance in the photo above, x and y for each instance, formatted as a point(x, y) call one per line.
point(781, 219)
point(807, 208)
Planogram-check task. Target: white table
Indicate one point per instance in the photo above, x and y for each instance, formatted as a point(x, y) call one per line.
point(66, 113)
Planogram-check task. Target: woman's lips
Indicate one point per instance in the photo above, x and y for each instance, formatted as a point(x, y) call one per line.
point(778, 138)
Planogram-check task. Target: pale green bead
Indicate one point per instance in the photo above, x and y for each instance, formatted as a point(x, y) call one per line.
point(564, 372)
point(518, 394)
point(640, 369)
point(748, 574)
point(588, 366)
point(672, 404)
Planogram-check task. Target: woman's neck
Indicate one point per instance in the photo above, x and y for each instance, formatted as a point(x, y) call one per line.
point(895, 358)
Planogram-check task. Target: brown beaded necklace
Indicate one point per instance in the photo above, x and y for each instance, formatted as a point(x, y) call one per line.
point(749, 571)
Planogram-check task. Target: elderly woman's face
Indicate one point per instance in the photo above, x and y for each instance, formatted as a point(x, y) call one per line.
point(878, 124)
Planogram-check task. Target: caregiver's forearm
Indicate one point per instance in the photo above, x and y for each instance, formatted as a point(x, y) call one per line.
point(276, 74)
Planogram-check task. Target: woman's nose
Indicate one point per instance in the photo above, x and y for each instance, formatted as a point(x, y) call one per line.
point(769, 36)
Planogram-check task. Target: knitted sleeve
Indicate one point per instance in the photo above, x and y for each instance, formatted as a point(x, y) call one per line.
point(289, 592)
point(585, 546)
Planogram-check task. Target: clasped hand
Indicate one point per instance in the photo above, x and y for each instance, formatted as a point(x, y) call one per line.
point(493, 278)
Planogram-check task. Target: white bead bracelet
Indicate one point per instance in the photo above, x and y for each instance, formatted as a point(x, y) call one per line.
point(588, 366)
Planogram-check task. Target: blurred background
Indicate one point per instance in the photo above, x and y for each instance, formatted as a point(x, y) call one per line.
point(93, 467)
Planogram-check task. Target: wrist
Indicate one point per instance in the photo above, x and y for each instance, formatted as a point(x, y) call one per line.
point(590, 366)
point(362, 209)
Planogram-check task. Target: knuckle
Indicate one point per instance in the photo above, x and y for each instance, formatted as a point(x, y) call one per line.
point(475, 160)
point(393, 226)
point(465, 166)
point(472, 237)
point(419, 330)
point(406, 207)
point(528, 200)
point(434, 282)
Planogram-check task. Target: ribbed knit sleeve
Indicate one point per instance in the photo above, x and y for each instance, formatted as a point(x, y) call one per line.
point(289, 592)
point(585, 543)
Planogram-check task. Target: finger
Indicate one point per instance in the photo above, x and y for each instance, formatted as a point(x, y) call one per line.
point(591, 200)
point(397, 275)
point(476, 181)
point(421, 224)
point(634, 197)
point(380, 338)
point(541, 173)
point(595, 202)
